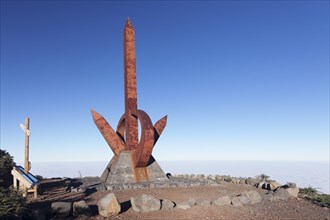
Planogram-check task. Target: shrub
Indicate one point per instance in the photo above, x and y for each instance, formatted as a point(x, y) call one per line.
point(6, 165)
point(228, 179)
point(312, 194)
point(308, 191)
point(263, 177)
point(291, 185)
point(39, 177)
point(12, 203)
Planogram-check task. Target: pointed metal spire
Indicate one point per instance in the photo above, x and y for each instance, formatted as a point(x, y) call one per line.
point(128, 22)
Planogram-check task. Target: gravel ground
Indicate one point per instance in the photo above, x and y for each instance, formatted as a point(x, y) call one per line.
point(298, 208)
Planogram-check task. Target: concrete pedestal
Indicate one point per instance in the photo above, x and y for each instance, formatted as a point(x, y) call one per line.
point(121, 170)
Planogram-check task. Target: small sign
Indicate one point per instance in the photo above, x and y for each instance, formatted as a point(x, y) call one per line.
point(25, 130)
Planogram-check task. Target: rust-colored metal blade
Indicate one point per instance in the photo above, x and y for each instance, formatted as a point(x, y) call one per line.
point(159, 127)
point(110, 136)
point(147, 139)
point(131, 122)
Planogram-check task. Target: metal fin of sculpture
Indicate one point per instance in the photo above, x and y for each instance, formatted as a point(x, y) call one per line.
point(125, 142)
point(111, 137)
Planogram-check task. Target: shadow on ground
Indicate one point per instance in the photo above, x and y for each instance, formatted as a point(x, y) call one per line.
point(59, 189)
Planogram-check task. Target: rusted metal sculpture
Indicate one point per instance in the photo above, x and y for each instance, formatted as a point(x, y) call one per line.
point(126, 137)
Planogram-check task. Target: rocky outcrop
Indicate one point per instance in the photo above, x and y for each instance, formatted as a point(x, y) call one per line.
point(145, 203)
point(108, 206)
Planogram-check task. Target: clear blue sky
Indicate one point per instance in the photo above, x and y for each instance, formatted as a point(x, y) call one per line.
point(239, 80)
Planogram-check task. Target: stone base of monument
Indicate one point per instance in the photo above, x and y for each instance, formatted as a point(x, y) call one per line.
point(121, 170)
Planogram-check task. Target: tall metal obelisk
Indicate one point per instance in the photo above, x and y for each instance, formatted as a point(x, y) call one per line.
point(131, 122)
point(132, 161)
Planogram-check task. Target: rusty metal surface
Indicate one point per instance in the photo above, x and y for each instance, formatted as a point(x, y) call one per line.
point(159, 127)
point(131, 123)
point(126, 136)
point(141, 174)
point(110, 136)
point(147, 139)
point(121, 127)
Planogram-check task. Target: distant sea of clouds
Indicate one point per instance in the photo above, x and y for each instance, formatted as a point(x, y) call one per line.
point(303, 173)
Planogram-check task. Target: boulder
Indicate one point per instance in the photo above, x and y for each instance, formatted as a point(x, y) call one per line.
point(67, 183)
point(273, 185)
point(235, 180)
point(203, 202)
point(286, 193)
point(217, 177)
point(193, 176)
point(200, 176)
point(261, 185)
point(228, 179)
point(293, 192)
point(290, 185)
point(145, 203)
point(253, 196)
point(62, 209)
point(224, 200)
point(109, 187)
point(167, 204)
point(192, 202)
point(244, 200)
point(74, 189)
point(100, 188)
point(38, 214)
point(82, 190)
point(185, 176)
point(281, 193)
point(173, 185)
point(183, 205)
point(81, 208)
point(268, 197)
point(242, 181)
point(236, 202)
point(214, 184)
point(251, 181)
point(248, 180)
point(108, 206)
point(256, 183)
point(195, 183)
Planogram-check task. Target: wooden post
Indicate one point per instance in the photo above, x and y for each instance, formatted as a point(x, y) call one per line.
point(26, 158)
point(35, 191)
point(15, 182)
